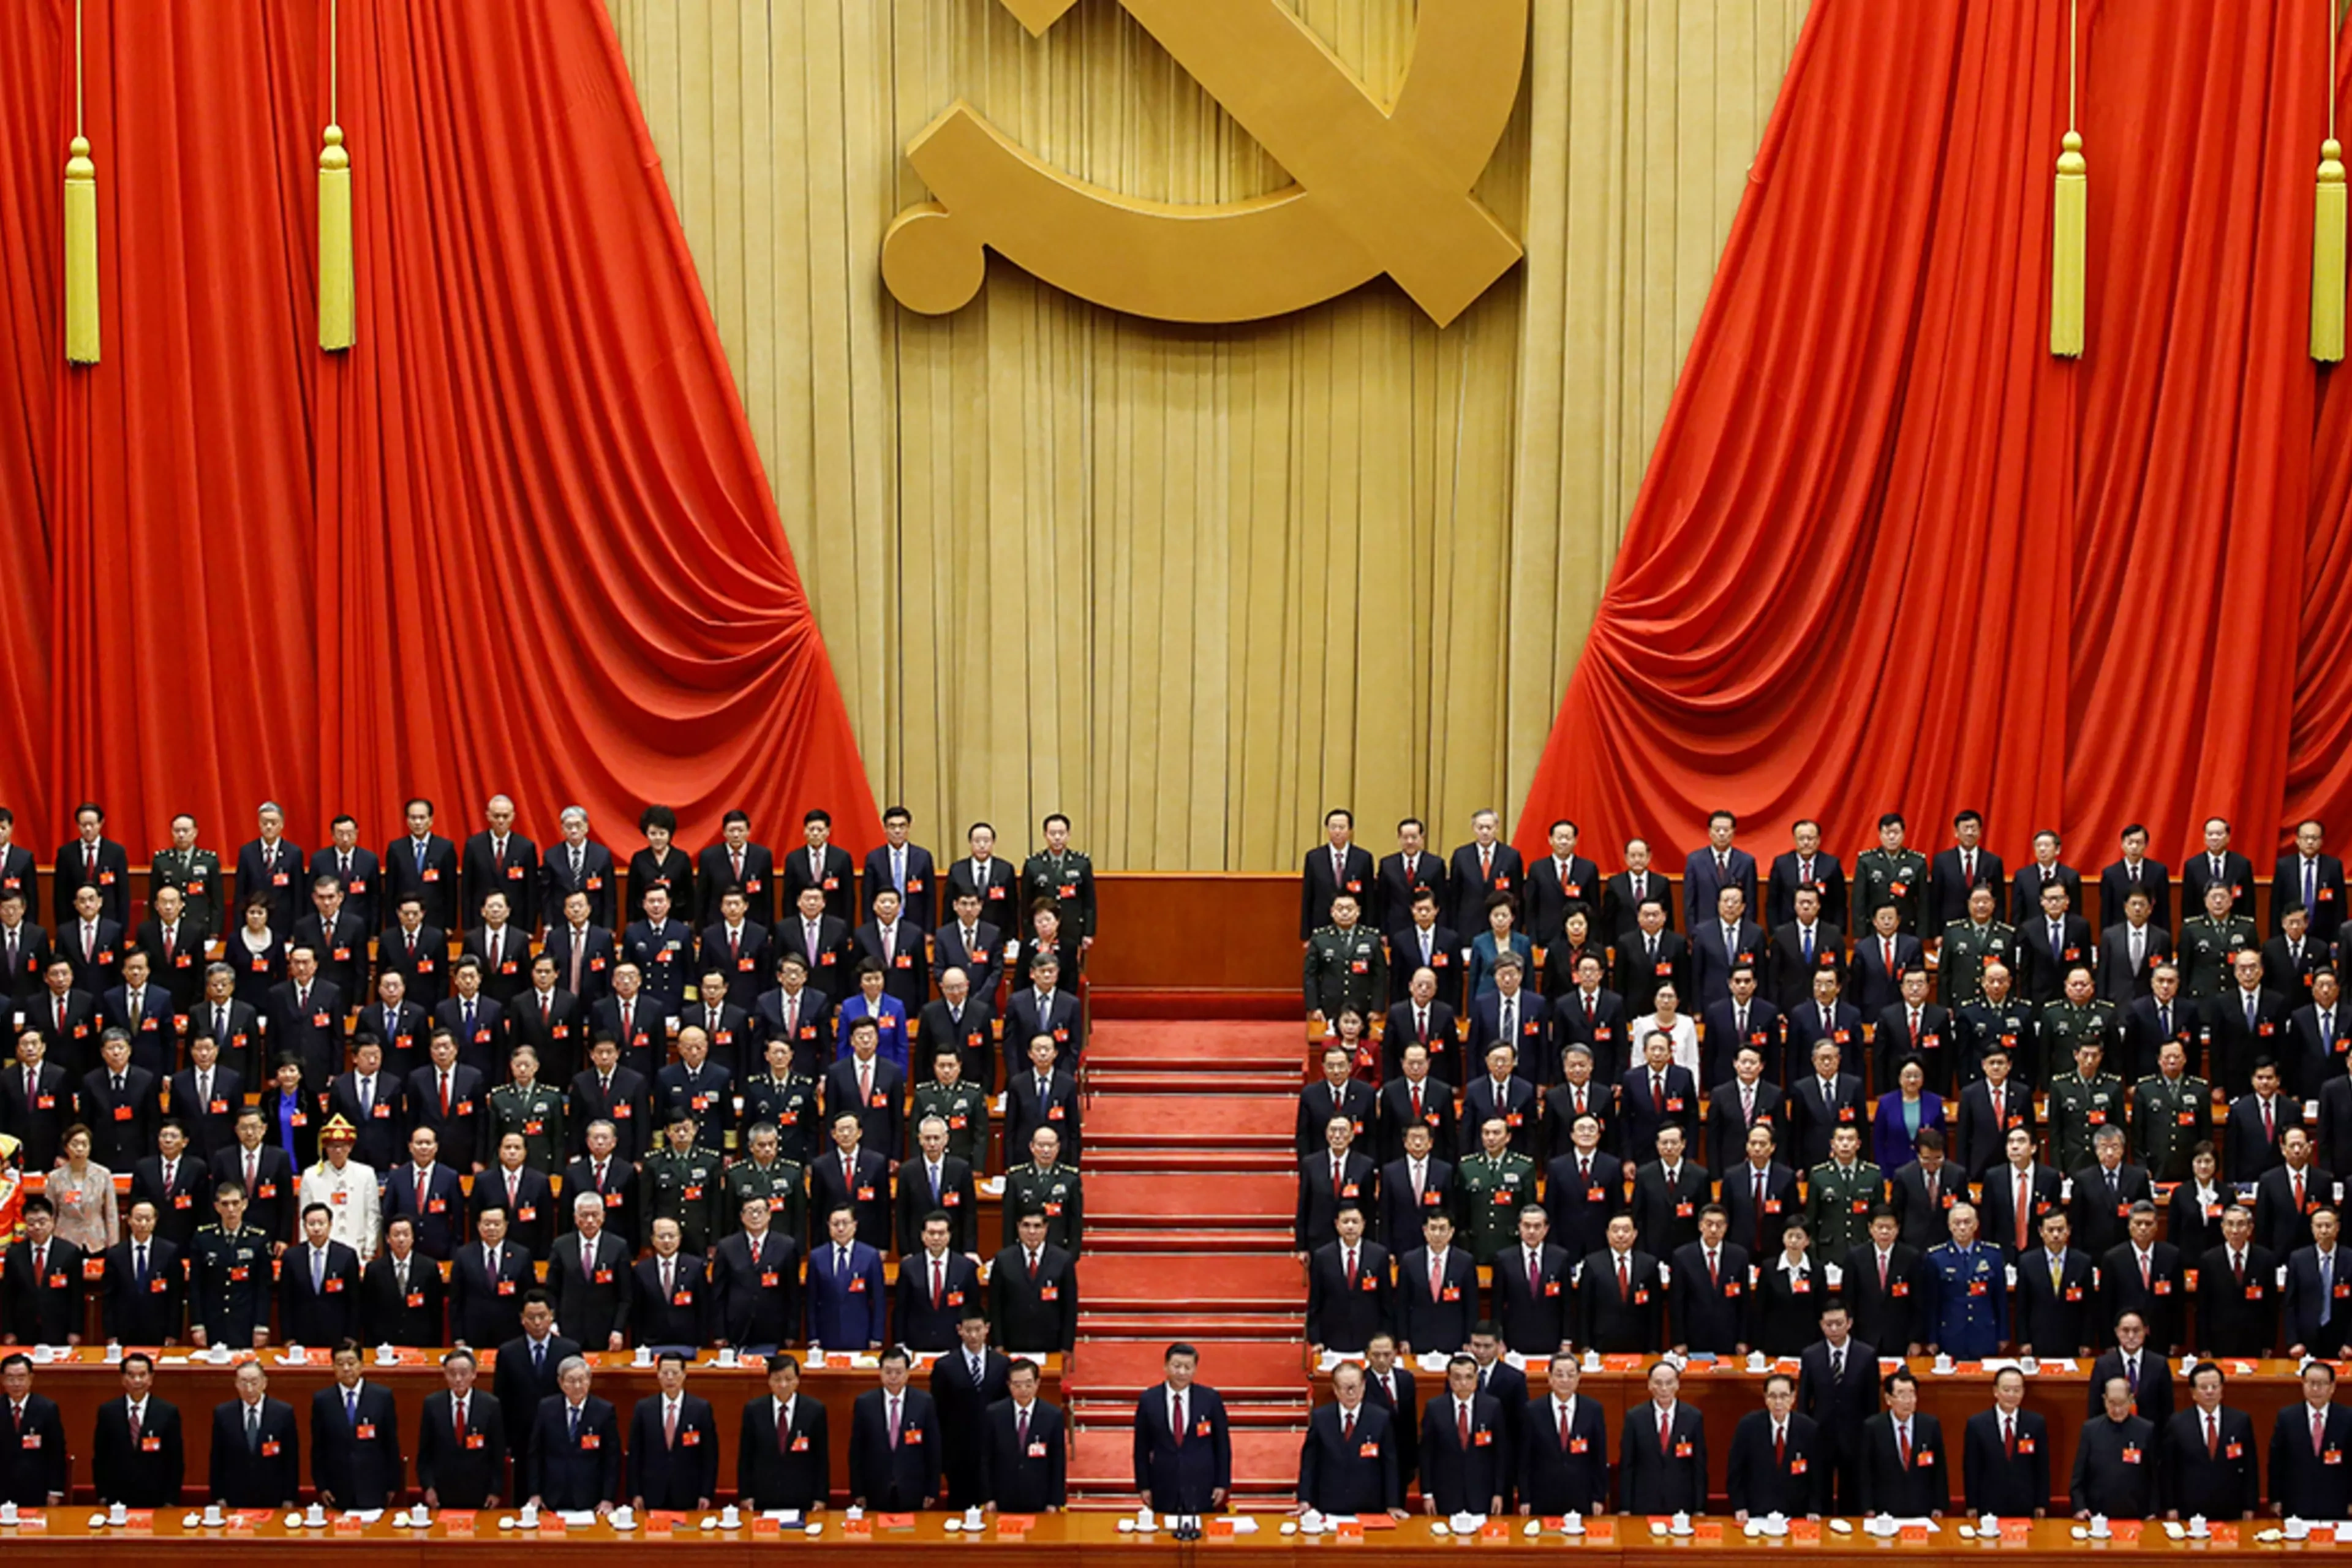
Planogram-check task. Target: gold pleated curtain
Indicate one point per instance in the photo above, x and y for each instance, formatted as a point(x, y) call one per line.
point(1191, 585)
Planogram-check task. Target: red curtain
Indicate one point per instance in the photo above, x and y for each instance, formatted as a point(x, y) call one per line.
point(1889, 552)
point(517, 540)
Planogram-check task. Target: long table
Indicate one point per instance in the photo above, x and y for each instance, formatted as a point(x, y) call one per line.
point(1724, 1392)
point(1079, 1539)
point(83, 1383)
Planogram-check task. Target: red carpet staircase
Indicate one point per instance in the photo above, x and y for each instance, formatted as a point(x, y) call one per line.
point(1191, 1186)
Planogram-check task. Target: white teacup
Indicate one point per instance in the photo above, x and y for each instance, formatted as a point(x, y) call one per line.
point(730, 1517)
point(727, 1357)
point(213, 1518)
point(119, 1513)
point(1944, 1361)
point(8, 1511)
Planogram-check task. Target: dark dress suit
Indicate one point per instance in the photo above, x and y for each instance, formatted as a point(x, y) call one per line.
point(2161, 1301)
point(1398, 882)
point(44, 1310)
point(1757, 1226)
point(682, 1315)
point(520, 1383)
point(915, 1323)
point(1926, 1214)
point(1550, 893)
point(357, 1462)
point(1888, 1485)
point(1603, 1034)
point(142, 1473)
point(484, 1310)
point(2279, 1224)
point(2119, 878)
point(343, 952)
point(1998, 1207)
point(260, 1469)
point(1349, 1471)
point(440, 1211)
point(484, 1032)
point(1345, 1311)
point(1874, 986)
point(504, 955)
point(599, 950)
point(1442, 1321)
point(1026, 1108)
point(121, 1121)
point(361, 876)
point(1794, 1481)
point(1027, 1315)
point(591, 1284)
point(755, 1303)
point(2246, 1149)
point(895, 1478)
point(626, 1102)
point(1622, 901)
point(154, 1038)
point(2154, 1399)
point(328, 1314)
point(178, 967)
point(1614, 1321)
point(37, 1118)
point(1710, 1314)
point(2226, 1483)
point(963, 1403)
point(1515, 1104)
point(1402, 1215)
point(532, 1211)
point(462, 1472)
point(72, 1042)
point(678, 1474)
point(381, 1129)
point(2054, 1323)
point(1530, 1034)
point(1894, 1314)
point(1814, 1118)
point(180, 1201)
point(2305, 1485)
point(1982, 1136)
point(146, 1310)
point(1662, 1477)
point(673, 870)
point(308, 1025)
point(1665, 1208)
point(1557, 1475)
point(2044, 980)
point(575, 1469)
point(1840, 1393)
point(274, 872)
point(421, 958)
point(410, 1316)
point(1713, 960)
point(884, 1123)
point(1393, 1391)
point(556, 1026)
point(917, 897)
point(1020, 1480)
point(845, 1306)
point(2237, 1317)
point(1730, 1120)
point(109, 873)
point(1180, 1476)
point(1949, 886)
point(790, 1467)
point(1640, 1111)
point(714, 873)
point(1996, 1481)
point(2119, 981)
point(1393, 1113)
point(2326, 905)
point(1506, 872)
point(34, 1464)
point(1536, 1314)
point(1641, 972)
point(1320, 1198)
point(836, 877)
point(2115, 1468)
point(1792, 963)
point(511, 868)
point(828, 1190)
point(1459, 1478)
point(2102, 1206)
point(2303, 1298)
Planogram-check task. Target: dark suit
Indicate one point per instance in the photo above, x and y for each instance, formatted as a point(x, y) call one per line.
point(1890, 1487)
point(468, 1472)
point(963, 1403)
point(2059, 1323)
point(421, 959)
point(2303, 1299)
point(1948, 888)
point(2279, 1224)
point(1712, 960)
point(390, 1315)
point(2305, 1485)
point(313, 1033)
point(1729, 1123)
point(593, 1295)
point(1018, 1479)
point(916, 1321)
point(179, 1201)
point(714, 873)
point(38, 1119)
point(2326, 907)
point(1665, 1208)
point(2154, 1399)
point(1788, 873)
point(1815, 1119)
point(1759, 1226)
point(1840, 1396)
point(1709, 1314)
point(1401, 1214)
point(72, 1043)
point(1994, 1480)
point(1788, 977)
point(531, 1212)
point(1999, 1209)
point(1442, 1321)
point(838, 880)
point(1555, 1477)
point(1350, 1473)
point(464, 1128)
point(1514, 1104)
point(74, 872)
point(1505, 873)
point(1982, 1138)
point(2119, 980)
point(1621, 903)
point(1641, 1113)
point(2102, 1217)
point(1641, 973)
point(34, 1464)
point(154, 1040)
point(519, 1386)
point(828, 1190)
point(1536, 1314)
point(754, 1304)
point(2224, 1484)
point(1459, 1478)
point(790, 1469)
point(627, 1104)
point(404, 1033)
point(2162, 1303)
point(343, 952)
point(845, 1307)
point(674, 1476)
point(328, 1313)
point(266, 1474)
point(362, 881)
point(682, 1315)
point(484, 1311)
point(358, 1463)
point(1027, 1315)
point(575, 1469)
point(1874, 987)
point(1397, 883)
point(1894, 1314)
point(511, 868)
point(2246, 1150)
point(895, 1478)
point(2115, 1468)
point(42, 1310)
point(556, 1027)
point(1668, 1478)
point(1614, 1322)
point(434, 880)
point(1343, 1309)
point(2044, 980)
point(1180, 1476)
point(439, 1212)
point(1927, 1219)
point(1550, 894)
point(146, 1311)
point(274, 872)
point(483, 1038)
point(2117, 881)
point(145, 1473)
point(1603, 1033)
point(1794, 1482)
point(121, 1121)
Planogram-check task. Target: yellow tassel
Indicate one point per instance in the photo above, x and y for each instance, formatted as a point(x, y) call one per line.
point(81, 254)
point(338, 312)
point(2067, 228)
point(2327, 258)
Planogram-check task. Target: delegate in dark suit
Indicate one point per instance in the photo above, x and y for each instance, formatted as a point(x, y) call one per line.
point(715, 872)
point(1556, 1476)
point(963, 1401)
point(355, 1454)
point(1949, 886)
point(1020, 1479)
point(1793, 1480)
point(1186, 1473)
point(401, 1312)
point(319, 1300)
point(894, 1477)
point(2312, 1479)
point(1662, 1477)
point(1344, 1310)
point(258, 1465)
point(1348, 1461)
point(846, 1310)
point(592, 1286)
point(1840, 1393)
point(1459, 1477)
point(485, 1308)
point(34, 1464)
point(785, 1463)
point(462, 1472)
point(2313, 883)
point(42, 1308)
point(1913, 1490)
point(146, 1310)
point(102, 863)
point(2225, 1482)
point(1997, 1480)
point(678, 1473)
point(753, 1302)
point(2154, 1383)
point(2115, 1468)
point(575, 1459)
point(521, 1381)
point(142, 1472)
point(1034, 1314)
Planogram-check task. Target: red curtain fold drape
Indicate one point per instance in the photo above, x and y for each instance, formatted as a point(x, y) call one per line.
point(517, 540)
point(1889, 552)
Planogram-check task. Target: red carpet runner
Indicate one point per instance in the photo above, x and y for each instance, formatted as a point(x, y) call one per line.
point(1191, 1185)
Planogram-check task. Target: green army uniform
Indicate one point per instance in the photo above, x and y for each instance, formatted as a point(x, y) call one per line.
point(784, 1182)
point(198, 874)
point(1838, 1203)
point(2064, 1026)
point(965, 1110)
point(684, 1187)
point(1966, 950)
point(1057, 1194)
point(1347, 969)
point(536, 1113)
point(1899, 879)
point(1068, 880)
point(1492, 1192)
point(2169, 1118)
point(2077, 1111)
point(788, 1104)
point(2206, 949)
point(229, 1284)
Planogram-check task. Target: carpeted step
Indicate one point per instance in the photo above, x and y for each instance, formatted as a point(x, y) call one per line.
point(1149, 1161)
point(1219, 1282)
point(1217, 1122)
point(1103, 1081)
point(1102, 1464)
point(1181, 1322)
point(1217, 1047)
point(1178, 1200)
point(1270, 1369)
point(1268, 1236)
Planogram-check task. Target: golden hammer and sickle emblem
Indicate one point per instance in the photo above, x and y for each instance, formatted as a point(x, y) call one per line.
point(1380, 189)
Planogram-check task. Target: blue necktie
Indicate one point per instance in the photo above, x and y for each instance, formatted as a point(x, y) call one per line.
point(420, 854)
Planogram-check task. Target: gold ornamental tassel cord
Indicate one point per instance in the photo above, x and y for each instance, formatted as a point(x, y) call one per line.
point(2328, 233)
point(81, 230)
point(2069, 222)
point(338, 286)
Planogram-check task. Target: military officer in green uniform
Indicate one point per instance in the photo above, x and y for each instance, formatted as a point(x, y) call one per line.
point(529, 1108)
point(1840, 1192)
point(2210, 943)
point(1045, 1185)
point(1891, 874)
point(2081, 1015)
point(2081, 1103)
point(785, 1100)
point(229, 1286)
point(1970, 946)
point(682, 1182)
point(1345, 965)
point(195, 874)
point(1061, 875)
point(2172, 1112)
point(766, 1174)
point(1494, 1184)
point(956, 1100)
point(1998, 1020)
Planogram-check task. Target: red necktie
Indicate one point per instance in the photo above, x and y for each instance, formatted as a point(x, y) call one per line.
point(1346, 1427)
point(1563, 1427)
point(669, 1424)
point(1416, 1102)
point(1902, 1443)
point(937, 1287)
point(445, 1094)
point(1179, 1420)
point(1436, 1281)
point(1665, 1433)
point(1712, 1279)
point(1780, 1447)
point(2146, 1283)
point(2009, 1436)
point(1889, 945)
point(2024, 1206)
point(458, 1420)
point(2298, 1192)
point(2269, 1134)
point(2319, 1434)
point(1624, 1279)
point(2212, 1436)
point(1462, 1425)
